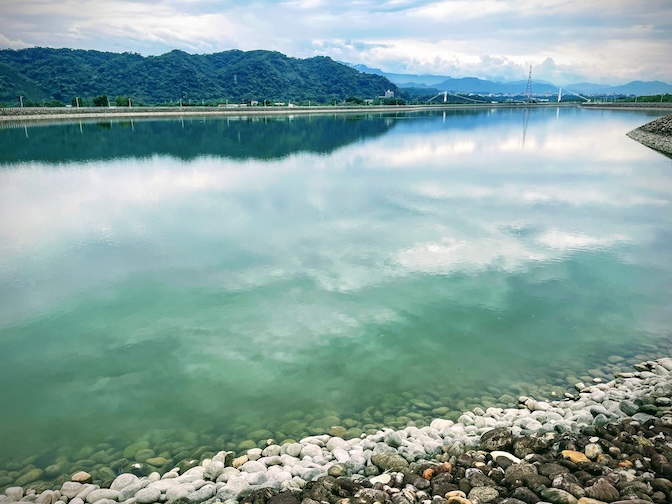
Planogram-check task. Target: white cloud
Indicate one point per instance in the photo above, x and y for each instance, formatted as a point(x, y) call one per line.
point(599, 41)
point(565, 240)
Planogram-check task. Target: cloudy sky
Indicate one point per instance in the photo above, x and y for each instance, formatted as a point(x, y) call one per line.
point(603, 41)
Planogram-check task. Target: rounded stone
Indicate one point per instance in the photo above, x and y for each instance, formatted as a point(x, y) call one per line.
point(500, 438)
point(483, 494)
point(29, 477)
point(389, 461)
point(592, 450)
point(81, 477)
point(100, 494)
point(144, 454)
point(311, 450)
point(123, 480)
point(246, 445)
point(156, 461)
point(147, 495)
point(132, 449)
point(52, 470)
point(15, 493)
point(70, 489)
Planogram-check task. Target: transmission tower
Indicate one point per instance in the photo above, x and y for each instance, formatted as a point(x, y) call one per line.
point(528, 89)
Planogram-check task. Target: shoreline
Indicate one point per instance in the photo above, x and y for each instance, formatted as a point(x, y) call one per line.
point(656, 135)
point(389, 456)
point(38, 114)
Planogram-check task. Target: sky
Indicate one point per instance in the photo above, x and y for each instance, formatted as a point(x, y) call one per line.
point(566, 41)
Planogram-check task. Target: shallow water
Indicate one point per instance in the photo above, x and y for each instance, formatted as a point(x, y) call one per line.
point(205, 278)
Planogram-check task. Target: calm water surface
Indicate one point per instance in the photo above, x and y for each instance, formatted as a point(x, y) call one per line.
point(210, 277)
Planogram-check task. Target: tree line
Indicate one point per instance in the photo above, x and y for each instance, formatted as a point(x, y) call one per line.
point(47, 76)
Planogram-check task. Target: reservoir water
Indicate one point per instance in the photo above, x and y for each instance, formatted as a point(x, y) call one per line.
point(202, 282)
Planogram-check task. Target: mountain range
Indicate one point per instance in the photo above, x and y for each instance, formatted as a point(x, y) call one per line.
point(39, 74)
point(475, 85)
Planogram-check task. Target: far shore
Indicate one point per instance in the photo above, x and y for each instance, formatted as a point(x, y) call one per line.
point(46, 113)
point(38, 114)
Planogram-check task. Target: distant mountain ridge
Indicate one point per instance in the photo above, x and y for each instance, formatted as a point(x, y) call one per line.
point(63, 74)
point(475, 85)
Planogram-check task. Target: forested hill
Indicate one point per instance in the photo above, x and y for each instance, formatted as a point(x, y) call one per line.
point(40, 74)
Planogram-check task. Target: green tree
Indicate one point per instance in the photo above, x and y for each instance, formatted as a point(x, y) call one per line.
point(100, 101)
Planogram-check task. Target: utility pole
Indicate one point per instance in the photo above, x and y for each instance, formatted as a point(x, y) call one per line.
point(528, 88)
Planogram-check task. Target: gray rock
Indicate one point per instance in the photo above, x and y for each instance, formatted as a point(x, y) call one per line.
point(122, 481)
point(232, 488)
point(254, 453)
point(86, 490)
point(29, 477)
point(52, 470)
point(253, 466)
point(392, 438)
point(476, 478)
point(592, 450)
point(526, 495)
point(557, 496)
point(47, 497)
point(518, 472)
point(129, 491)
point(179, 492)
point(256, 479)
point(602, 490)
point(483, 494)
point(203, 493)
point(389, 461)
point(147, 495)
point(81, 477)
point(213, 471)
point(271, 451)
point(14, 493)
point(311, 450)
point(500, 438)
point(628, 407)
point(71, 488)
point(102, 493)
point(294, 449)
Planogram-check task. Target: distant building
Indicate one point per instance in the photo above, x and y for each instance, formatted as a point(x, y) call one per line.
point(389, 94)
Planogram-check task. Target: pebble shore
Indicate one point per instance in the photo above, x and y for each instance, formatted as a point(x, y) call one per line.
point(657, 135)
point(606, 442)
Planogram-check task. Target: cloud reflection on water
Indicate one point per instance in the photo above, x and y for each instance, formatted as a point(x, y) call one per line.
point(451, 205)
point(223, 281)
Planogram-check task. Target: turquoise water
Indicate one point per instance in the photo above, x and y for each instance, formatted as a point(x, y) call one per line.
point(200, 279)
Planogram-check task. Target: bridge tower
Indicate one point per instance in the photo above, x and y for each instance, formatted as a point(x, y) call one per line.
point(445, 96)
point(528, 88)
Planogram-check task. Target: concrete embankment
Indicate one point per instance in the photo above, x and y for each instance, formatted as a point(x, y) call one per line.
point(656, 135)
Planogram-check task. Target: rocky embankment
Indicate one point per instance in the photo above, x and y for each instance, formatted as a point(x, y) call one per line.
point(656, 135)
point(607, 443)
